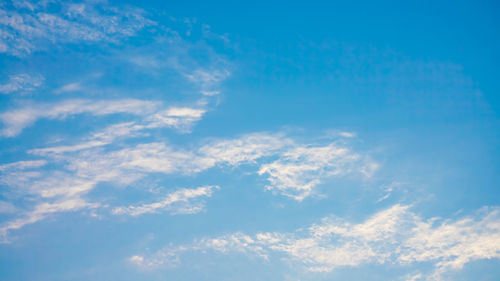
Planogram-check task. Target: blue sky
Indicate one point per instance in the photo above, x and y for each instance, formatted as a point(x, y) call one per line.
point(160, 140)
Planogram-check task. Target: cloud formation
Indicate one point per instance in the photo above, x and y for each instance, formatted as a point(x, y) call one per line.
point(21, 83)
point(301, 168)
point(182, 201)
point(16, 120)
point(392, 236)
point(58, 178)
point(79, 168)
point(26, 26)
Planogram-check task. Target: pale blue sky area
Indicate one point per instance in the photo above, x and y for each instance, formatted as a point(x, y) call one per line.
point(294, 141)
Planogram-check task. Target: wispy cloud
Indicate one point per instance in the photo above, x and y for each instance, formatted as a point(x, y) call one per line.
point(182, 201)
point(6, 208)
point(21, 165)
point(80, 168)
point(21, 83)
point(208, 80)
point(32, 26)
point(298, 168)
point(301, 168)
point(41, 211)
point(17, 119)
point(392, 236)
point(71, 87)
point(60, 176)
point(246, 149)
point(181, 119)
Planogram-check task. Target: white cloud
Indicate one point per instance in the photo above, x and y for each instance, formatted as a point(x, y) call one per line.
point(392, 236)
point(20, 174)
point(347, 134)
point(149, 157)
point(180, 118)
point(35, 26)
point(245, 149)
point(136, 259)
point(209, 93)
point(69, 170)
point(208, 80)
point(54, 192)
point(21, 165)
point(160, 157)
point(6, 208)
point(21, 83)
point(182, 201)
point(296, 172)
point(17, 119)
point(389, 189)
point(71, 87)
point(41, 211)
point(413, 277)
point(77, 169)
point(301, 168)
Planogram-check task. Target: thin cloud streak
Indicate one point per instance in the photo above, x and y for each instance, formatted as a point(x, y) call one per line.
point(30, 27)
point(392, 236)
point(16, 120)
point(21, 83)
point(83, 166)
point(182, 201)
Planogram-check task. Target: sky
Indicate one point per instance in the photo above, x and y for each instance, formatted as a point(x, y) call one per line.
point(214, 140)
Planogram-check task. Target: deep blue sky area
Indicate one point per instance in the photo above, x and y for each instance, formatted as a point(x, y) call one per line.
point(223, 140)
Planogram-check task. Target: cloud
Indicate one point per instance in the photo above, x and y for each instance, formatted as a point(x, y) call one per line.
point(7, 208)
point(246, 149)
point(62, 175)
point(181, 119)
point(347, 134)
point(392, 236)
point(413, 277)
point(17, 119)
point(21, 83)
point(389, 189)
point(293, 168)
point(34, 26)
point(300, 169)
point(208, 80)
point(175, 53)
point(20, 174)
point(71, 87)
point(21, 165)
point(182, 201)
point(41, 211)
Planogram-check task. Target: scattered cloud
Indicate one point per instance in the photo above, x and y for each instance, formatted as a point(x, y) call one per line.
point(180, 118)
point(41, 211)
point(7, 208)
point(17, 119)
point(32, 26)
point(392, 236)
point(21, 165)
point(294, 169)
point(71, 87)
point(389, 189)
point(246, 149)
point(413, 277)
point(347, 134)
point(208, 81)
point(21, 83)
point(300, 169)
point(182, 201)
